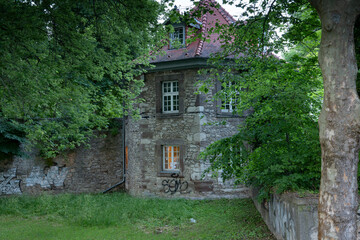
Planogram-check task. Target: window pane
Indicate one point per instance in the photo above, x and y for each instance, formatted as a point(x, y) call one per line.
point(176, 102)
point(177, 36)
point(170, 96)
point(171, 157)
point(231, 99)
point(165, 103)
point(175, 86)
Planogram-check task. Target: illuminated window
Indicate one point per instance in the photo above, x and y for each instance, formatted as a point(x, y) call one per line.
point(171, 155)
point(177, 38)
point(170, 97)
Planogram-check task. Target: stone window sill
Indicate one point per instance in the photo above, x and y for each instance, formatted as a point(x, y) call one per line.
point(169, 115)
point(227, 115)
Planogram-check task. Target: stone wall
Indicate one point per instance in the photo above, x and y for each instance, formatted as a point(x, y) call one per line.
point(186, 129)
point(86, 169)
point(292, 217)
point(289, 216)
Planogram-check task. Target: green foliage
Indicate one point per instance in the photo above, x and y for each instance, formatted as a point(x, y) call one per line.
point(11, 137)
point(68, 67)
point(277, 147)
point(113, 215)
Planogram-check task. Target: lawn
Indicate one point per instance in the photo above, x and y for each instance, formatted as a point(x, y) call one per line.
point(120, 216)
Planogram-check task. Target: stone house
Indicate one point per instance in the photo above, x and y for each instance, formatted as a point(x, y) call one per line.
point(161, 148)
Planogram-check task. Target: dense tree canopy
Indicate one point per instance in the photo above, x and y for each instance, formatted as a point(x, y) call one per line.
point(69, 67)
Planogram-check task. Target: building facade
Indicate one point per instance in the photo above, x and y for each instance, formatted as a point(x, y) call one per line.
point(163, 146)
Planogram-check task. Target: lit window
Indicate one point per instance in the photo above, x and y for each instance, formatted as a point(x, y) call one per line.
point(177, 38)
point(171, 155)
point(170, 95)
point(231, 99)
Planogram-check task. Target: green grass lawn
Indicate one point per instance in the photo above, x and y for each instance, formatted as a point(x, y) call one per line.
point(120, 216)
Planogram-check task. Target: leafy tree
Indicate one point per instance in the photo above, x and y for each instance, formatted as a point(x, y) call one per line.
point(339, 117)
point(278, 141)
point(69, 67)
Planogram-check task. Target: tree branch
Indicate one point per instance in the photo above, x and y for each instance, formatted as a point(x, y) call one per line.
point(265, 20)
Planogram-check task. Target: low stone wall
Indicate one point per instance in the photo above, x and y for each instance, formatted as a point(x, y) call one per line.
point(83, 170)
point(289, 216)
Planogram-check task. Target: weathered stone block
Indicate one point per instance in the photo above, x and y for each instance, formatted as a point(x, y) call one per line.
point(199, 137)
point(145, 141)
point(147, 135)
point(195, 109)
point(203, 186)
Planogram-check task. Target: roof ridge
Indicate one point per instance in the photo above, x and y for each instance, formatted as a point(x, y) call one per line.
point(201, 42)
point(203, 21)
point(225, 14)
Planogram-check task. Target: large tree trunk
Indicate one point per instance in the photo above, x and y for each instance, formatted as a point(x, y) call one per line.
point(339, 120)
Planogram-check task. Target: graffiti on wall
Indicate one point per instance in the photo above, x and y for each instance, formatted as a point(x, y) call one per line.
point(9, 185)
point(47, 178)
point(53, 177)
point(175, 184)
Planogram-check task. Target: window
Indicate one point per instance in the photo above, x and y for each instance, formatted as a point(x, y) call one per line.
point(177, 38)
point(169, 90)
point(231, 99)
point(171, 156)
point(170, 97)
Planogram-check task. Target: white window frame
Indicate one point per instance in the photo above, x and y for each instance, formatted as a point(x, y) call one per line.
point(174, 158)
point(228, 104)
point(173, 95)
point(175, 36)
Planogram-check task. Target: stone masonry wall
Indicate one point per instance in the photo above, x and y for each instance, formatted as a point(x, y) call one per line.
point(89, 170)
point(212, 114)
point(154, 129)
point(292, 217)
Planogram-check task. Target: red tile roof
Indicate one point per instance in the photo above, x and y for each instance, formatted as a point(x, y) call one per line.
point(200, 48)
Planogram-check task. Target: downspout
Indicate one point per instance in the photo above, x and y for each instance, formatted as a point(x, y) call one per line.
point(124, 156)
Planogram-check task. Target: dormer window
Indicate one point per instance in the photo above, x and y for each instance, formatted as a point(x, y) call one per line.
point(177, 38)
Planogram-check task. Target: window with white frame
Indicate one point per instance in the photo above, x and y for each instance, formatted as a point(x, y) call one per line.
point(170, 97)
point(230, 100)
point(171, 158)
point(177, 38)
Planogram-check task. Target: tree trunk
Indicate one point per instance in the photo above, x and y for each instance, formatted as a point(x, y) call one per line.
point(339, 120)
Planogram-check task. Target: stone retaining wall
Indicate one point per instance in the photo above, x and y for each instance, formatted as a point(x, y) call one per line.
point(289, 216)
point(292, 217)
point(93, 169)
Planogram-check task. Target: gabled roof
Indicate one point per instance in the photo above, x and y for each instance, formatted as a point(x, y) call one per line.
point(200, 48)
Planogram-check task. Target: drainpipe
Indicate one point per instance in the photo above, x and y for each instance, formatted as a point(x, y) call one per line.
point(124, 156)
